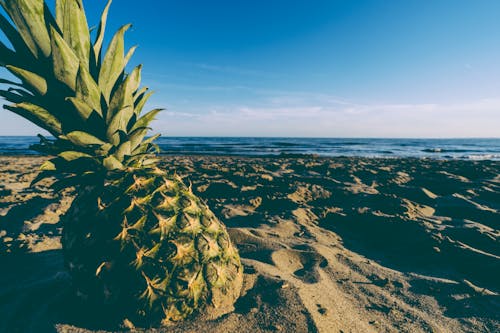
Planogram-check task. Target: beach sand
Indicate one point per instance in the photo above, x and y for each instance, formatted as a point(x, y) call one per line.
point(328, 244)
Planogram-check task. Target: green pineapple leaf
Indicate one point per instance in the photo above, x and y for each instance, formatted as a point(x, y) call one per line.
point(73, 155)
point(38, 116)
point(141, 102)
point(123, 96)
point(119, 123)
point(31, 79)
point(123, 150)
point(48, 166)
point(84, 139)
point(112, 163)
point(71, 19)
point(84, 110)
point(100, 34)
point(144, 121)
point(87, 89)
point(113, 63)
point(29, 17)
point(64, 60)
point(129, 55)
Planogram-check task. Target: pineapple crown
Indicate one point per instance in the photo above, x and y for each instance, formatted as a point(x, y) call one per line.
point(73, 88)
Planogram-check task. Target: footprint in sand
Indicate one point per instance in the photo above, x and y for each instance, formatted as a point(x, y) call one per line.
point(252, 245)
point(302, 262)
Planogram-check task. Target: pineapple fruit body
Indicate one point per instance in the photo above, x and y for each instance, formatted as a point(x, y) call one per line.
point(143, 242)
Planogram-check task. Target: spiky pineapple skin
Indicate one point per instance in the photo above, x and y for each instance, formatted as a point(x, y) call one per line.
point(144, 244)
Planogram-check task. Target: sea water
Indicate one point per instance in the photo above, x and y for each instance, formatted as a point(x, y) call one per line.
point(474, 149)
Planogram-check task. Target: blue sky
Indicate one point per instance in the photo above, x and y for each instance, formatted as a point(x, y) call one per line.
point(346, 68)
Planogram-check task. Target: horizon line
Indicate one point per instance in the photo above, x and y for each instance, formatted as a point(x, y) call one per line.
point(297, 137)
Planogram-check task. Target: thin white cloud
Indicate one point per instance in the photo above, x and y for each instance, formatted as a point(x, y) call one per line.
point(233, 70)
point(192, 87)
point(479, 118)
point(196, 68)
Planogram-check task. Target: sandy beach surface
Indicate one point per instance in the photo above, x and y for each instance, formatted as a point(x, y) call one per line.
point(329, 245)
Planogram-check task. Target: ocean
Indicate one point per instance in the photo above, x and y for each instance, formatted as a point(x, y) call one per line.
point(472, 149)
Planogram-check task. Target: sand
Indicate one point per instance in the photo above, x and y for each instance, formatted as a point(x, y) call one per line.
point(328, 244)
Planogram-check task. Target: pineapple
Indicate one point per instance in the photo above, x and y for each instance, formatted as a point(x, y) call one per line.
point(135, 239)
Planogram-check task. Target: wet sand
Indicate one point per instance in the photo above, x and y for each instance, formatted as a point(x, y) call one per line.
point(328, 244)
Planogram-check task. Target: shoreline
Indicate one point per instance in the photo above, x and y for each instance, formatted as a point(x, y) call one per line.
point(285, 156)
